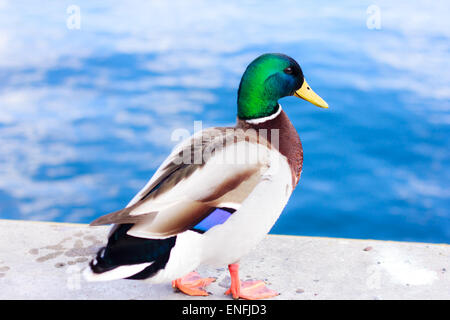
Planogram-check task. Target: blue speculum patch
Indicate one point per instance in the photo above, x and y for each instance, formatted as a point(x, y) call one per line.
point(216, 217)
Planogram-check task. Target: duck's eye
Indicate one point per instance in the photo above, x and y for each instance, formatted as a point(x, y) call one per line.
point(289, 70)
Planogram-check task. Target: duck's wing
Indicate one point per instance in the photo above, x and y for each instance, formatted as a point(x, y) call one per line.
point(217, 168)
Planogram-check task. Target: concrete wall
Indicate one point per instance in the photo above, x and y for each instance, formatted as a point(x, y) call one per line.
point(43, 261)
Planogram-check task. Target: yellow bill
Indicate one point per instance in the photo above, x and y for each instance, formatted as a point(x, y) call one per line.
point(306, 93)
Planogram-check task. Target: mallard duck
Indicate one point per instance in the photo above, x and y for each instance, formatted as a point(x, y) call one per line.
point(216, 195)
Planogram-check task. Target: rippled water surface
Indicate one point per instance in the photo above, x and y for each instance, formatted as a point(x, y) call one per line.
point(86, 115)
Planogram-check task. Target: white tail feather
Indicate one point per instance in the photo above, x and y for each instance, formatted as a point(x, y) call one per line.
point(120, 272)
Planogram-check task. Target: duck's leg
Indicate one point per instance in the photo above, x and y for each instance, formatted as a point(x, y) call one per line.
point(250, 290)
point(192, 284)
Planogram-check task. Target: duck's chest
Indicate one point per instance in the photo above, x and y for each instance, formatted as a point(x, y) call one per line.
point(282, 135)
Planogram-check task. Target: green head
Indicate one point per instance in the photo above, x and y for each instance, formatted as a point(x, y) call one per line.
point(267, 79)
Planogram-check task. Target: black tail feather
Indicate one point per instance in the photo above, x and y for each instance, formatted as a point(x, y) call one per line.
point(123, 249)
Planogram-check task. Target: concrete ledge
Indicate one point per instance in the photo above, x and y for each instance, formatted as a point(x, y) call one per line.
point(43, 261)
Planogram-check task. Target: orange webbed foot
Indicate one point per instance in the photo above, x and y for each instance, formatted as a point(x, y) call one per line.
point(250, 289)
point(193, 284)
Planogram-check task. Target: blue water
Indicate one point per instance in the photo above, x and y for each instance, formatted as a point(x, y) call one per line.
point(86, 115)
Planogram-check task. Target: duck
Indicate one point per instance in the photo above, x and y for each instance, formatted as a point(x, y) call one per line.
point(217, 194)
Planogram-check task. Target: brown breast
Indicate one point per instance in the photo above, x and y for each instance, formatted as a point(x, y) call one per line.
point(289, 141)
